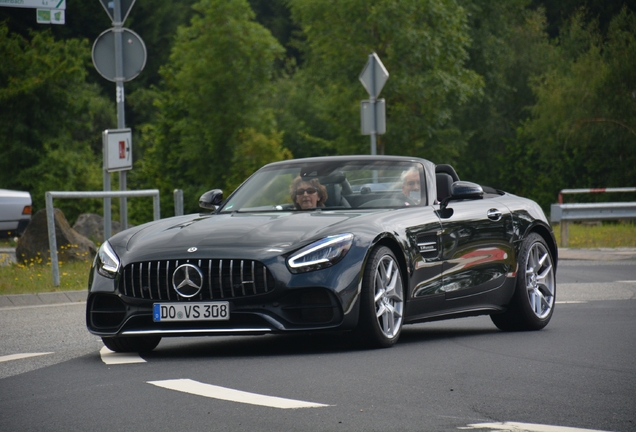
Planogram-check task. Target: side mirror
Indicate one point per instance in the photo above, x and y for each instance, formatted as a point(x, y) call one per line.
point(463, 190)
point(211, 200)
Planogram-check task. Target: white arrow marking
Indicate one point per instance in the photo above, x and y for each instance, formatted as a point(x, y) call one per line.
point(21, 356)
point(111, 357)
point(223, 393)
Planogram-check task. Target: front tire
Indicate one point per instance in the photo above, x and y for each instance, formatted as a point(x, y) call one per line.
point(532, 303)
point(131, 343)
point(381, 300)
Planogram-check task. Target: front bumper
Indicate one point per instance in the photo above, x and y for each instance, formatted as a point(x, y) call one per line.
point(308, 309)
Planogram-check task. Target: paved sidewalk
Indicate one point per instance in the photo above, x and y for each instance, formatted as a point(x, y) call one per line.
point(66, 297)
point(42, 299)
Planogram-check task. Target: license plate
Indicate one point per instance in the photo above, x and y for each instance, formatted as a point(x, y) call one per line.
point(195, 311)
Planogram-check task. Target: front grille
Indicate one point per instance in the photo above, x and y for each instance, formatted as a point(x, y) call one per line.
point(223, 279)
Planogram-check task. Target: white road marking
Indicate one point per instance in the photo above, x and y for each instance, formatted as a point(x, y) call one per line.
point(228, 394)
point(627, 281)
point(570, 302)
point(525, 427)
point(111, 357)
point(21, 356)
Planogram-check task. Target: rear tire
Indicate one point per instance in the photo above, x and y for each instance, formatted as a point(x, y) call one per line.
point(532, 304)
point(381, 301)
point(131, 343)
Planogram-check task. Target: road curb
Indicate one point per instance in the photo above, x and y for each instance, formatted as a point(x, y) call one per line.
point(598, 254)
point(41, 299)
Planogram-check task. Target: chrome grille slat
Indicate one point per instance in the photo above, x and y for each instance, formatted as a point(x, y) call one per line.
point(132, 281)
point(167, 280)
point(232, 277)
point(210, 278)
point(140, 286)
point(149, 279)
point(253, 279)
point(242, 279)
point(159, 280)
point(222, 278)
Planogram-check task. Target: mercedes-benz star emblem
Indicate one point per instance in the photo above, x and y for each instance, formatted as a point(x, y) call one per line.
point(187, 280)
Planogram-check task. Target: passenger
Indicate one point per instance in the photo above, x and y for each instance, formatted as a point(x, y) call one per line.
point(308, 194)
point(411, 185)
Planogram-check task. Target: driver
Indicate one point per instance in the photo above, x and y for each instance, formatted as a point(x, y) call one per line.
point(411, 185)
point(308, 193)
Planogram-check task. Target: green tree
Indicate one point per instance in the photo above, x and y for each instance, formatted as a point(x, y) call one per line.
point(509, 46)
point(582, 132)
point(559, 12)
point(423, 45)
point(51, 118)
point(215, 89)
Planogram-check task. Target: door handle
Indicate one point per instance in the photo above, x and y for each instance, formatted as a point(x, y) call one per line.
point(494, 214)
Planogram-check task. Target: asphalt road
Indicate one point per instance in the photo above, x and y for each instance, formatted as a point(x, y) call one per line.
point(579, 372)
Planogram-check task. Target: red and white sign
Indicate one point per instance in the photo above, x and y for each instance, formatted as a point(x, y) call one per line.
point(117, 149)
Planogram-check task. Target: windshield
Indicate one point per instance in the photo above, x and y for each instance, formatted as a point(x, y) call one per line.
point(335, 184)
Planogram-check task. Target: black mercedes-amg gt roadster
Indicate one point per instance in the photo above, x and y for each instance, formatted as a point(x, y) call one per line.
point(356, 244)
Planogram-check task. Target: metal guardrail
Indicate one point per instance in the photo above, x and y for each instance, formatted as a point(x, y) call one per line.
point(597, 211)
point(565, 213)
point(50, 218)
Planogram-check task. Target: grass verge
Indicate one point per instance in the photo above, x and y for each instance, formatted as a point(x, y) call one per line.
point(37, 278)
point(605, 235)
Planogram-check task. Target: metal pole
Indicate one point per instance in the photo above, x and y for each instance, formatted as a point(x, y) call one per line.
point(107, 203)
point(178, 202)
point(373, 95)
point(156, 210)
point(564, 233)
point(50, 222)
point(121, 115)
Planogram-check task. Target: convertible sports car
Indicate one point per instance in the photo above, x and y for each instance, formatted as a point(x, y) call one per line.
point(359, 244)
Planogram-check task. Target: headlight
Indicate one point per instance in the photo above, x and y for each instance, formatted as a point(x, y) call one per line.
point(321, 254)
point(106, 261)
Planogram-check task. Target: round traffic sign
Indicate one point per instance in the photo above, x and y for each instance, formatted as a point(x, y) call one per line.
point(133, 52)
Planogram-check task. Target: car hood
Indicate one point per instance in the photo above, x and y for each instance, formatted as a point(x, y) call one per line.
point(228, 234)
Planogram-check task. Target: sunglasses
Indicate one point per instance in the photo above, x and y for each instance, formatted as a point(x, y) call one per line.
point(309, 191)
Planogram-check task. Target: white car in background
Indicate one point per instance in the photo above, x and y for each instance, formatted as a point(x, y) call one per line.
point(15, 212)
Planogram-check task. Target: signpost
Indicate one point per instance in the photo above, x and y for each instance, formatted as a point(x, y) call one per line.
point(35, 4)
point(119, 55)
point(48, 11)
point(373, 111)
point(124, 6)
point(133, 53)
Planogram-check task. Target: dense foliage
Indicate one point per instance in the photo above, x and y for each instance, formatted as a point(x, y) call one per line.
point(50, 117)
point(531, 96)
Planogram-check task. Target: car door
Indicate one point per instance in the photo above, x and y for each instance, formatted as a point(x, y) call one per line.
point(476, 247)
point(425, 288)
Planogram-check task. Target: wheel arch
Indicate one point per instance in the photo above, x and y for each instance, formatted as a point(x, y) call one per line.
point(550, 240)
point(393, 244)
